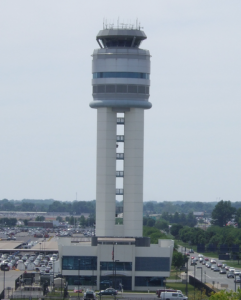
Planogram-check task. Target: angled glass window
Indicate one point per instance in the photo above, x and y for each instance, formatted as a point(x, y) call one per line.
point(121, 75)
point(79, 262)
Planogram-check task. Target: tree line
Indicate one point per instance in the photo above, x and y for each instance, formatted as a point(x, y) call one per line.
point(213, 235)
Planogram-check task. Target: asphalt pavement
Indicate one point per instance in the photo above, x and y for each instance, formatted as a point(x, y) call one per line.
point(209, 276)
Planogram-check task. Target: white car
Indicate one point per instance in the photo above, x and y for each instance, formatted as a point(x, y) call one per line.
point(231, 269)
point(172, 296)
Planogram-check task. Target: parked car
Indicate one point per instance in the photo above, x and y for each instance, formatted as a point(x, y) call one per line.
point(76, 290)
point(230, 275)
point(172, 296)
point(5, 267)
point(159, 291)
point(109, 291)
point(89, 294)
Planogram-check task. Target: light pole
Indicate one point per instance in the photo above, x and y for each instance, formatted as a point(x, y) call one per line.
point(187, 276)
point(194, 282)
point(53, 273)
point(235, 281)
point(201, 273)
point(4, 284)
point(115, 273)
point(100, 275)
point(78, 276)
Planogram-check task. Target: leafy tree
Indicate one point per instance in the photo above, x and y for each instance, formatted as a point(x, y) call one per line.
point(191, 220)
point(222, 213)
point(238, 217)
point(8, 222)
point(178, 259)
point(40, 218)
point(25, 221)
point(59, 218)
point(162, 224)
point(82, 221)
point(226, 295)
point(154, 234)
point(175, 229)
point(151, 222)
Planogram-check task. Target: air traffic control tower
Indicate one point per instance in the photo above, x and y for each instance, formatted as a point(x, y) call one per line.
point(121, 90)
point(118, 253)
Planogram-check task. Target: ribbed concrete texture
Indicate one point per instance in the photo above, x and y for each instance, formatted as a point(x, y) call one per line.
point(105, 172)
point(133, 166)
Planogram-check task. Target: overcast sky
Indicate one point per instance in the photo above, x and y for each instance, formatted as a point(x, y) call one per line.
point(48, 130)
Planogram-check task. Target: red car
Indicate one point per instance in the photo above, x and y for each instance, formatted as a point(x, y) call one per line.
point(206, 258)
point(78, 291)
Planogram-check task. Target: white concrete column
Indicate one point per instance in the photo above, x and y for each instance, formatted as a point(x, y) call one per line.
point(133, 172)
point(106, 172)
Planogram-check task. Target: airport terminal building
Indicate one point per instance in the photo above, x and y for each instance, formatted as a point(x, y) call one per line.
point(118, 255)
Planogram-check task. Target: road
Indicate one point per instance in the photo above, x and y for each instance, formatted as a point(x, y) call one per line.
point(209, 276)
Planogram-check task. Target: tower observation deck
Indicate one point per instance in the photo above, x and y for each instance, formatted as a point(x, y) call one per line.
point(121, 90)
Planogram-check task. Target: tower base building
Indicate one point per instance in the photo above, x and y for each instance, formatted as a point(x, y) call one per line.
point(118, 255)
point(116, 262)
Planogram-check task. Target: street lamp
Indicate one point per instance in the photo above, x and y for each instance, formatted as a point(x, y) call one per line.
point(187, 275)
point(115, 272)
point(235, 281)
point(194, 281)
point(201, 273)
point(78, 275)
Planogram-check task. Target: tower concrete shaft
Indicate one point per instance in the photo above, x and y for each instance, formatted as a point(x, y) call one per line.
point(121, 80)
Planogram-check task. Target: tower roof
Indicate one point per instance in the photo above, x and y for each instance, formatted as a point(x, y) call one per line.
point(120, 37)
point(119, 32)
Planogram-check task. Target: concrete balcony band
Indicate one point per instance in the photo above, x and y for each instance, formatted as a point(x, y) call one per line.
point(119, 191)
point(120, 138)
point(119, 173)
point(120, 121)
point(119, 156)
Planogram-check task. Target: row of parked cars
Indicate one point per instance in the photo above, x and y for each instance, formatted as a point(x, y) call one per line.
point(29, 262)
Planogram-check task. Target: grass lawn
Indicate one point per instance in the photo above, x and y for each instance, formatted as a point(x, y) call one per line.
point(233, 263)
point(174, 274)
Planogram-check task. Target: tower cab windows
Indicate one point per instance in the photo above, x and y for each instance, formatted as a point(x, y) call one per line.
point(116, 42)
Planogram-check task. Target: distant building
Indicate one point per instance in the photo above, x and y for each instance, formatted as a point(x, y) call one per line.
point(42, 224)
point(198, 214)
